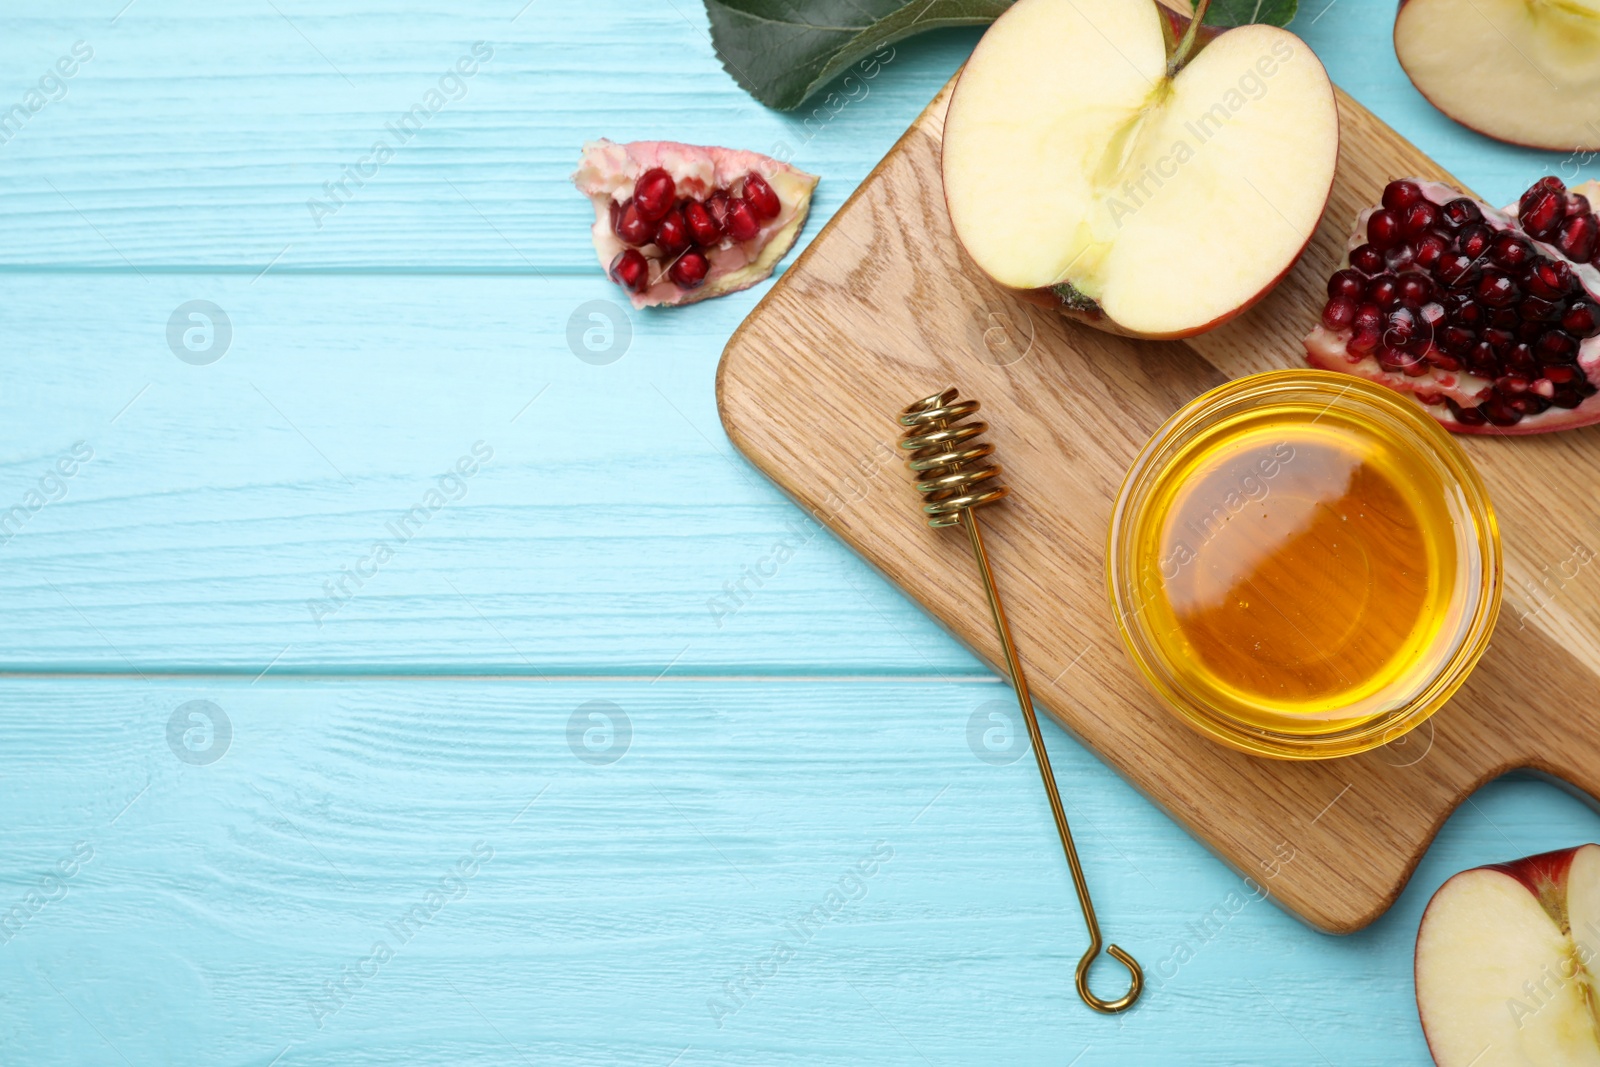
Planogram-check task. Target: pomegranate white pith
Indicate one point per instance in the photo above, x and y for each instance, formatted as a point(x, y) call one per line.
point(1505, 964)
point(1523, 71)
point(1147, 203)
point(676, 223)
point(1489, 318)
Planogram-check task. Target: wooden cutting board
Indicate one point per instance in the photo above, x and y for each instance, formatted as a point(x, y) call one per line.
point(884, 308)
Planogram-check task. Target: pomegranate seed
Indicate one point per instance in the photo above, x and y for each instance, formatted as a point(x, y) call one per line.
point(1384, 291)
point(1557, 347)
point(1578, 204)
point(1551, 279)
point(1457, 340)
point(1428, 250)
point(1566, 398)
point(1543, 207)
point(1511, 251)
point(631, 270)
point(701, 225)
point(1498, 290)
point(1520, 362)
point(1481, 360)
point(1339, 314)
point(1504, 318)
point(1348, 284)
point(1415, 289)
point(1442, 361)
point(1401, 362)
point(1462, 309)
point(1560, 373)
point(672, 233)
point(1383, 229)
point(1369, 318)
point(1582, 319)
point(633, 227)
point(1399, 195)
point(1495, 410)
point(1500, 340)
point(1474, 240)
point(1431, 316)
point(654, 193)
point(1537, 309)
point(1461, 212)
point(1400, 327)
point(1529, 332)
point(689, 270)
point(1419, 218)
point(1367, 260)
point(742, 223)
point(1465, 416)
point(1363, 341)
point(1458, 271)
point(1529, 404)
point(1578, 238)
point(761, 197)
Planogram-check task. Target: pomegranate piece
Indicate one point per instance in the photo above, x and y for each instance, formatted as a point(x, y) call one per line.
point(1489, 318)
point(669, 227)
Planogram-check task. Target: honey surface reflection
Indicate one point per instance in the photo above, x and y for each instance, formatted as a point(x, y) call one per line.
point(1301, 571)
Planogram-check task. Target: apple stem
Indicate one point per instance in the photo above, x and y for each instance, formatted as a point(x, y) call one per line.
point(1186, 45)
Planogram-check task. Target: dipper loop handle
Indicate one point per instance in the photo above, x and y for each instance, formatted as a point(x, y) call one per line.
point(954, 483)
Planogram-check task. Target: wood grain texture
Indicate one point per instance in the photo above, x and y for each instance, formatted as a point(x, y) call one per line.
point(884, 308)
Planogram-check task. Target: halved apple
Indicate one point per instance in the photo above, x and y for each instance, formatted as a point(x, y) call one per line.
point(1506, 958)
point(1523, 71)
point(1145, 182)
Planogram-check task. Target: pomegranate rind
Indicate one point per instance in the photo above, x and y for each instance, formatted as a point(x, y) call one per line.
point(1328, 349)
point(606, 174)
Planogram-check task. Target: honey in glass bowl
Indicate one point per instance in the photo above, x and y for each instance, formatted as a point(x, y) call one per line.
point(1304, 565)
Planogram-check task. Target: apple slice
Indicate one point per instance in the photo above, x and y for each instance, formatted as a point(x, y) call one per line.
point(1506, 957)
point(1523, 71)
point(1146, 183)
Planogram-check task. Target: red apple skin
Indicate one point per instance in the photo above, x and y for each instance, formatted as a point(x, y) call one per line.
point(1545, 876)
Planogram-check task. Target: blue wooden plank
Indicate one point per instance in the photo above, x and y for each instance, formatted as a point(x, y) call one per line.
point(631, 909)
point(224, 125)
point(273, 507)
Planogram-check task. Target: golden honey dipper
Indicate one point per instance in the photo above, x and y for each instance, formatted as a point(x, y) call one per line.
point(946, 457)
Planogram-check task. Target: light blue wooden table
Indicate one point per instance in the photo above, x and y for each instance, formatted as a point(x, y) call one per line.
point(510, 791)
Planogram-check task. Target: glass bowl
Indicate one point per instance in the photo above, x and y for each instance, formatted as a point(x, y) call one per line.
point(1303, 565)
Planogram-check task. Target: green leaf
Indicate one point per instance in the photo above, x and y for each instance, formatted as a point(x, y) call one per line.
point(782, 51)
point(1230, 13)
